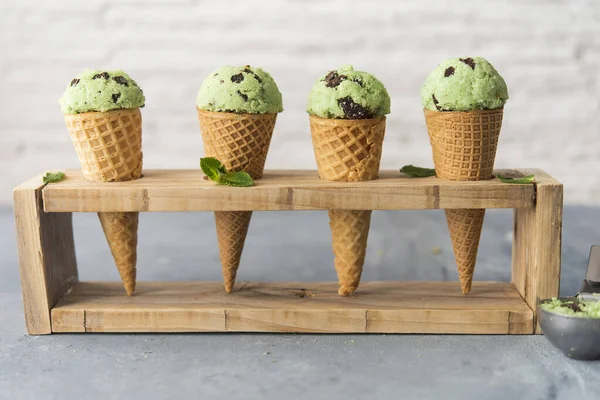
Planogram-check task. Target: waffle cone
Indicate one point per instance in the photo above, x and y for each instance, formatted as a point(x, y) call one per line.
point(109, 148)
point(465, 230)
point(464, 147)
point(120, 229)
point(349, 233)
point(464, 143)
point(241, 142)
point(349, 151)
point(232, 227)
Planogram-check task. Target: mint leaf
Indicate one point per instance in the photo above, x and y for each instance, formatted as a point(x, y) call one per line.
point(417, 172)
point(53, 177)
point(212, 167)
point(237, 179)
point(525, 179)
point(216, 171)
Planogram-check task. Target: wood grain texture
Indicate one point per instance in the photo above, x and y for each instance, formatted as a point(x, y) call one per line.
point(46, 255)
point(187, 190)
point(394, 307)
point(537, 238)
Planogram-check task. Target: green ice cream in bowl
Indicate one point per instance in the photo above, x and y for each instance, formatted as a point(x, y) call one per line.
point(572, 325)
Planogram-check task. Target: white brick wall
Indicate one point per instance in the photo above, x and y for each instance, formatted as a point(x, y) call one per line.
point(547, 50)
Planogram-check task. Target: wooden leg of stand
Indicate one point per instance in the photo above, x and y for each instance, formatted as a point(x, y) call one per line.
point(46, 255)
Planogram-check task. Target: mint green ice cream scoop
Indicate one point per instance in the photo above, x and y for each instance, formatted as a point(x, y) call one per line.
point(348, 94)
point(97, 90)
point(242, 90)
point(464, 84)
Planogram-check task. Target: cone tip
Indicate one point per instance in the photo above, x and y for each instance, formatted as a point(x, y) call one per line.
point(228, 287)
point(129, 288)
point(346, 290)
point(465, 286)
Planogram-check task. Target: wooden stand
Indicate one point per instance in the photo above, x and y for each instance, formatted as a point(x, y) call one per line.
point(55, 301)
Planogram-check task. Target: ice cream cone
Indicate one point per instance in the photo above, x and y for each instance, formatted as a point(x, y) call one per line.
point(349, 151)
point(109, 148)
point(464, 147)
point(349, 234)
point(120, 229)
point(241, 142)
point(232, 227)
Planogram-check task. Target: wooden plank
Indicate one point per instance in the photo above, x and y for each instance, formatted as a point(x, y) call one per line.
point(46, 255)
point(186, 190)
point(394, 307)
point(537, 243)
point(459, 321)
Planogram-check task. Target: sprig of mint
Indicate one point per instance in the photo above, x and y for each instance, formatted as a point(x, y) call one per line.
point(525, 179)
point(53, 177)
point(417, 172)
point(215, 171)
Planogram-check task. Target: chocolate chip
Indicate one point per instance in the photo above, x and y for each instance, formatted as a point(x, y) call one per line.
point(354, 110)
point(333, 79)
point(121, 80)
point(437, 103)
point(222, 81)
point(574, 306)
point(115, 97)
point(74, 82)
point(469, 61)
point(216, 74)
point(101, 75)
point(249, 71)
point(449, 72)
point(359, 81)
point(243, 96)
point(237, 78)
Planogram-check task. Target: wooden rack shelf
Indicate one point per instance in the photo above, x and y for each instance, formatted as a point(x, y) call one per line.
point(55, 301)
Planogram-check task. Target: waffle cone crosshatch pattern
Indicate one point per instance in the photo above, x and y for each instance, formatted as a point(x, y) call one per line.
point(56, 301)
point(239, 141)
point(348, 150)
point(464, 143)
point(108, 144)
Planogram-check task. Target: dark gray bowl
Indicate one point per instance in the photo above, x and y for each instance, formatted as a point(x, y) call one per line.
point(578, 338)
